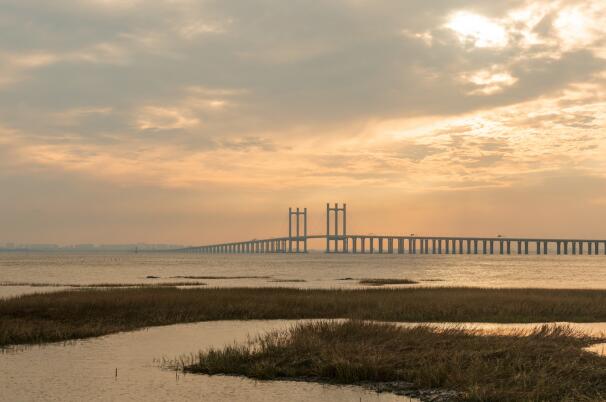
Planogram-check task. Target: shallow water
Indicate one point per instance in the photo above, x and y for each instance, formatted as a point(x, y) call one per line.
point(600, 349)
point(86, 370)
point(317, 270)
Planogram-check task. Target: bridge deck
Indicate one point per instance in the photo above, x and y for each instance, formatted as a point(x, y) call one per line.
point(417, 244)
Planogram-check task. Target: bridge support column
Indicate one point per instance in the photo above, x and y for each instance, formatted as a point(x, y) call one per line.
point(526, 247)
point(565, 248)
point(460, 246)
point(468, 246)
point(508, 247)
point(400, 245)
point(574, 248)
point(491, 247)
point(371, 245)
point(519, 247)
point(538, 248)
point(363, 245)
point(581, 248)
point(446, 246)
point(501, 248)
point(545, 248)
point(433, 246)
point(559, 248)
point(475, 246)
point(589, 251)
point(354, 246)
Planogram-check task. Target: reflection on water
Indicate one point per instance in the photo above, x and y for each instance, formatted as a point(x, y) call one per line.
point(124, 367)
point(86, 370)
point(600, 349)
point(315, 270)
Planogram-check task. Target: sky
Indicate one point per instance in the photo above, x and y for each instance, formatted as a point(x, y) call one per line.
point(198, 121)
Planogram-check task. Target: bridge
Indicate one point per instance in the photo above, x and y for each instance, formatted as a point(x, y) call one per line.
point(338, 241)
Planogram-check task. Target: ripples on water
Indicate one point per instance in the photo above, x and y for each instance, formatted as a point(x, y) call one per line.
point(86, 370)
point(315, 270)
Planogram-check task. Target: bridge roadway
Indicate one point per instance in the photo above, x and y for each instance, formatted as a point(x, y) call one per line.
point(387, 244)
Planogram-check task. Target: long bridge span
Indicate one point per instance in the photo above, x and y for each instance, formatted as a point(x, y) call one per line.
point(338, 241)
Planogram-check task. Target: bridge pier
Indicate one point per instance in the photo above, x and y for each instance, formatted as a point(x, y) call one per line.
point(421, 245)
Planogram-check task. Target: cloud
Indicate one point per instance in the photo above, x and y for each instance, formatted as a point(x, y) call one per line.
point(391, 98)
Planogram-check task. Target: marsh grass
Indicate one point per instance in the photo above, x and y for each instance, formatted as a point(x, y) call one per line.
point(100, 285)
point(386, 281)
point(545, 364)
point(83, 313)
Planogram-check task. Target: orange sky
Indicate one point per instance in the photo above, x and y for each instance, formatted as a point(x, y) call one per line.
point(191, 122)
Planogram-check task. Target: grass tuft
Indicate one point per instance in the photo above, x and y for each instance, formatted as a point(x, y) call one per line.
point(545, 364)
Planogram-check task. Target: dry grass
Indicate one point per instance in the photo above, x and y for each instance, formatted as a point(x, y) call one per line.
point(547, 364)
point(99, 285)
point(84, 313)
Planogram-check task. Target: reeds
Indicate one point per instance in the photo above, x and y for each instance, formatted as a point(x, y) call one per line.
point(545, 364)
point(81, 313)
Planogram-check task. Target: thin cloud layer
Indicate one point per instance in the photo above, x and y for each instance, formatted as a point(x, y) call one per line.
point(268, 101)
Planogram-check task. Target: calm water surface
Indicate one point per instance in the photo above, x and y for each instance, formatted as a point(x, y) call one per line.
point(86, 370)
point(316, 270)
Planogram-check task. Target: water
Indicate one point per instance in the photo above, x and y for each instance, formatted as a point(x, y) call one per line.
point(86, 370)
point(317, 270)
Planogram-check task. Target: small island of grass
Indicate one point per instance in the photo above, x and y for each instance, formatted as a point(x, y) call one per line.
point(545, 364)
point(386, 281)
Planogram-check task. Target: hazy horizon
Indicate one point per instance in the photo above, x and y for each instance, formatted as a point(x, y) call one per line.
point(194, 122)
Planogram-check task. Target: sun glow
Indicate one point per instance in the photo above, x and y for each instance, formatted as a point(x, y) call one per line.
point(478, 30)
